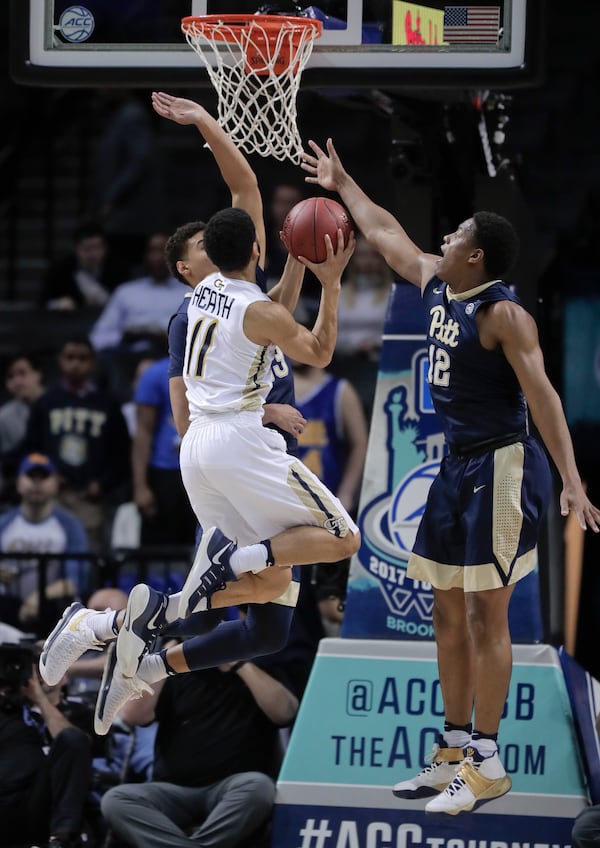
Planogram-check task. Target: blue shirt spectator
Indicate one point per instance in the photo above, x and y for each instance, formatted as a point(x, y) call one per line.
point(153, 390)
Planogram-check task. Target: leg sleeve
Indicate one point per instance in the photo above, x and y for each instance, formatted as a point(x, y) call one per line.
point(264, 631)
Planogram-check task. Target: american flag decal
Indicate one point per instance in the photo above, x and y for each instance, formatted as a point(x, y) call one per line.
point(471, 24)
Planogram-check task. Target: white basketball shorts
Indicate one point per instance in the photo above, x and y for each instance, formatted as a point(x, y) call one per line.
point(240, 479)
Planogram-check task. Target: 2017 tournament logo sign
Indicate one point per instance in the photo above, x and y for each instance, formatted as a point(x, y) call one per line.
point(410, 446)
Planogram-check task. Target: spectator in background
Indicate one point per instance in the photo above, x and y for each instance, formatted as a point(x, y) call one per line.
point(333, 444)
point(83, 430)
point(217, 756)
point(283, 198)
point(158, 491)
point(45, 766)
point(86, 276)
point(586, 829)
point(138, 311)
point(130, 188)
point(134, 321)
point(361, 317)
point(363, 302)
point(39, 526)
point(23, 380)
point(128, 408)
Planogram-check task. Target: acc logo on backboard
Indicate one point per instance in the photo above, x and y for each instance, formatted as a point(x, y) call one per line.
point(76, 24)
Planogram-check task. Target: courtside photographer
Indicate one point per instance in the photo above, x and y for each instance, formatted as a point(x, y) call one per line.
point(45, 760)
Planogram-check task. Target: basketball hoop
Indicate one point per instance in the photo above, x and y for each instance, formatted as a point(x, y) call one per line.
point(255, 63)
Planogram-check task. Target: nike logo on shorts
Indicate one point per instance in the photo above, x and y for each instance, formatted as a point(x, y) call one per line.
point(478, 488)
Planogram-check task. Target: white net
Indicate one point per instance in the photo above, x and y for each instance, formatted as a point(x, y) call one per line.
point(255, 65)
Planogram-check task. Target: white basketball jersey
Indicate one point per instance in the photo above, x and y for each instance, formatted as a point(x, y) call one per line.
point(223, 370)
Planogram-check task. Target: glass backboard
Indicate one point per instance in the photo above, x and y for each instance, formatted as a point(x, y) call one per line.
point(376, 43)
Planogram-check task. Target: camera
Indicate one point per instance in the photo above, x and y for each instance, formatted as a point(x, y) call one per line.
point(16, 668)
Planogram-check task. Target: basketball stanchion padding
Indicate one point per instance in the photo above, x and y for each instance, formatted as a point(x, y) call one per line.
point(255, 63)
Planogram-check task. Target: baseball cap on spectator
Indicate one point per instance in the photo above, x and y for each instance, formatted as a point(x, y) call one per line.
point(37, 462)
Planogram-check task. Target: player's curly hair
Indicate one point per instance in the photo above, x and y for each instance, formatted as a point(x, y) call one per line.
point(499, 241)
point(228, 239)
point(176, 246)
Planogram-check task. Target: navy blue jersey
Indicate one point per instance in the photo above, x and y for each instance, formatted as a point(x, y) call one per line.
point(85, 434)
point(283, 384)
point(475, 391)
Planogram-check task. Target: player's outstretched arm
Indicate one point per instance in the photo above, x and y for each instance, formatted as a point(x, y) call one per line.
point(515, 330)
point(378, 225)
point(235, 170)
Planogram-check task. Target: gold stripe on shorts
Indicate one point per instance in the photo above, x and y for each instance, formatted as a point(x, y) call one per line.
point(507, 515)
point(470, 578)
point(317, 498)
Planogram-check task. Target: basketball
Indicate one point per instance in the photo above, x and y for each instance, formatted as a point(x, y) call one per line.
point(307, 223)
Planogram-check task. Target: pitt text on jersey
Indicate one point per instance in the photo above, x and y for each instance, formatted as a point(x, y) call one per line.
point(443, 331)
point(446, 332)
point(211, 300)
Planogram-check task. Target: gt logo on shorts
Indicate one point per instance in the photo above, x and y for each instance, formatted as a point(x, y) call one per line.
point(336, 525)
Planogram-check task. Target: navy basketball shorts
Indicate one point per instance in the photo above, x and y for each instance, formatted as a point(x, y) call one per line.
point(480, 525)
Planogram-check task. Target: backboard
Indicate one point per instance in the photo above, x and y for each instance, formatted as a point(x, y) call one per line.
point(388, 44)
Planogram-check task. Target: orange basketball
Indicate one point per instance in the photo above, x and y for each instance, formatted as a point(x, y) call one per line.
point(307, 223)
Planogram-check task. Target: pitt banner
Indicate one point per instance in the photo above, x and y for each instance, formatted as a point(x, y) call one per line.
point(406, 447)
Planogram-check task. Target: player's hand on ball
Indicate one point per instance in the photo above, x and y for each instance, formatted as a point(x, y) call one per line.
point(329, 273)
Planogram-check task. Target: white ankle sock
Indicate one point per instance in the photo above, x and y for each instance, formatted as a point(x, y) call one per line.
point(251, 558)
point(172, 610)
point(102, 624)
point(152, 668)
point(486, 747)
point(457, 738)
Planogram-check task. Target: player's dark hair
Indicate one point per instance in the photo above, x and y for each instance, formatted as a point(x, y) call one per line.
point(176, 246)
point(499, 241)
point(228, 239)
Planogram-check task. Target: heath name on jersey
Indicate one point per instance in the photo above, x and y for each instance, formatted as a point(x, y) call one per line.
point(211, 299)
point(223, 370)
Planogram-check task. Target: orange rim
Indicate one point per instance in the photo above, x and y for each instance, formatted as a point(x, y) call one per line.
point(257, 42)
point(239, 23)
